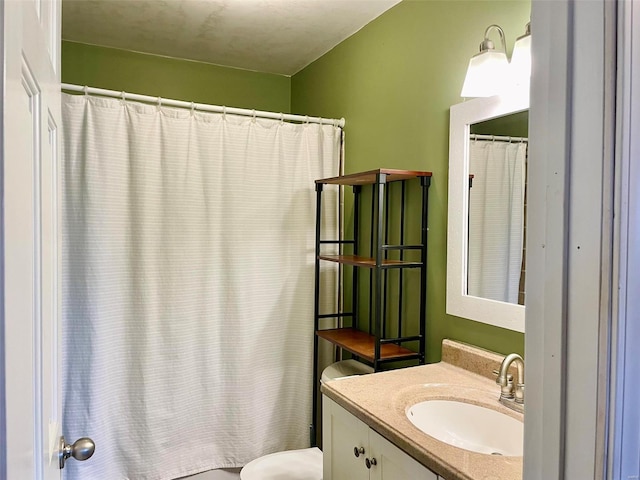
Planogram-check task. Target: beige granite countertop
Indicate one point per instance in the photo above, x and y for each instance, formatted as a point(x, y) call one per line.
point(465, 373)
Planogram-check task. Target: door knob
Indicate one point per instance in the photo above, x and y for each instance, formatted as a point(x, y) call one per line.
point(81, 450)
point(370, 462)
point(358, 451)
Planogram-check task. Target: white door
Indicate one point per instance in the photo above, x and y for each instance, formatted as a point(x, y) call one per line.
point(345, 444)
point(30, 315)
point(394, 464)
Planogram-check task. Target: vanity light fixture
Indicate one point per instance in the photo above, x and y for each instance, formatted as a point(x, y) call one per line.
point(521, 60)
point(490, 73)
point(488, 70)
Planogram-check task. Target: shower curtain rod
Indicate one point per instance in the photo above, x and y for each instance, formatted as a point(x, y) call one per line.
point(497, 138)
point(203, 106)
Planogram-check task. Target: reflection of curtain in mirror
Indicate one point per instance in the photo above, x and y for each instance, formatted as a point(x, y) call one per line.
point(496, 219)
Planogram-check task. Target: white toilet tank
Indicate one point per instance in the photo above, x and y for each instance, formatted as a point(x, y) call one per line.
point(343, 369)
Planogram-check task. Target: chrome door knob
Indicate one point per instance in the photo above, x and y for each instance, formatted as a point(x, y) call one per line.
point(81, 450)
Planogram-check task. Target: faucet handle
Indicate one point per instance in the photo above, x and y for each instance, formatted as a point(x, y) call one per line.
point(506, 384)
point(509, 376)
point(519, 393)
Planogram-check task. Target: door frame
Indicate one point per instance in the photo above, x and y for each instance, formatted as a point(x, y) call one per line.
point(571, 243)
point(3, 409)
point(624, 443)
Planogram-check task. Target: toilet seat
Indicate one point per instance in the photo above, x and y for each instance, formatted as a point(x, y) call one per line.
point(304, 464)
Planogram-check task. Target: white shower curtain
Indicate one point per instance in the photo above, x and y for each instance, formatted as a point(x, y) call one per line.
point(188, 253)
point(496, 219)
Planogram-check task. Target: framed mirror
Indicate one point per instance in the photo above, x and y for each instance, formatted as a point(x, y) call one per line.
point(488, 147)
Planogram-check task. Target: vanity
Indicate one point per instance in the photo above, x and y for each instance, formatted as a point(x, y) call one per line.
point(367, 433)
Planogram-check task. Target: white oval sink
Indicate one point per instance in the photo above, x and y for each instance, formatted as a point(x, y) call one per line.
point(468, 426)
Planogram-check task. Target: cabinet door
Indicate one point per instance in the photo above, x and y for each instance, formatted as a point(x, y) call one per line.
point(341, 433)
point(394, 464)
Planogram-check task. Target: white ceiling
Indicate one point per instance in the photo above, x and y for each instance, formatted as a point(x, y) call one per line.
point(274, 36)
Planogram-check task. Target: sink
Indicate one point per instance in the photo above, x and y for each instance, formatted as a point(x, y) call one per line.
point(468, 426)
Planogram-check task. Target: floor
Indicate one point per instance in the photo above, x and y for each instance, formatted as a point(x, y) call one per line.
point(226, 474)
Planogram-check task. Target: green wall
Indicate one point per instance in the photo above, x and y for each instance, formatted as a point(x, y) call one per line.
point(166, 77)
point(514, 125)
point(394, 82)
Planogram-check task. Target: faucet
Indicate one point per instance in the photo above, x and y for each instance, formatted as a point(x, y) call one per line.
point(510, 396)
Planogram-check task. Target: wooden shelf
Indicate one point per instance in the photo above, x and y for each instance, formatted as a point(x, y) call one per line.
point(367, 262)
point(367, 178)
point(363, 345)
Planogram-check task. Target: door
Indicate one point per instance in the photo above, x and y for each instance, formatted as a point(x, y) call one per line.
point(30, 314)
point(394, 464)
point(345, 444)
point(353, 451)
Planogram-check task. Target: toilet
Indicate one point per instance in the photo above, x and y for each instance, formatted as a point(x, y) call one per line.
point(304, 464)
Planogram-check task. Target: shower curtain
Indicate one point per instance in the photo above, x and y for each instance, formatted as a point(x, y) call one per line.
point(496, 219)
point(188, 283)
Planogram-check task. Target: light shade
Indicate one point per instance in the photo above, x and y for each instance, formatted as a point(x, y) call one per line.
point(521, 62)
point(487, 74)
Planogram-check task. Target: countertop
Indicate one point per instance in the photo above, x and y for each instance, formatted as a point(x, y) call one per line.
point(465, 373)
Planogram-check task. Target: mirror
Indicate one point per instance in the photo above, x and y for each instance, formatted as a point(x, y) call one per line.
point(485, 238)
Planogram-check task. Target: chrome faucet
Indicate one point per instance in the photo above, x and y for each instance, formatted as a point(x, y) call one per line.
point(510, 396)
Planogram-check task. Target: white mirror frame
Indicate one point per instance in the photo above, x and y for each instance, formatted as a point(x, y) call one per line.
point(462, 115)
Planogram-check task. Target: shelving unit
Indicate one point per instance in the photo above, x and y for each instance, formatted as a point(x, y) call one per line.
point(376, 345)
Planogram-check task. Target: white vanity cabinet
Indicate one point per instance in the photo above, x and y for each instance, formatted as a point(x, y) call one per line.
point(353, 451)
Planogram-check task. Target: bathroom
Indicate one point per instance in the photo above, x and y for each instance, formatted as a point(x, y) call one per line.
point(391, 95)
point(394, 81)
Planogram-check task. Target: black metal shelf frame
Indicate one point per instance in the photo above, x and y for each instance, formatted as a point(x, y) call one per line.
point(378, 274)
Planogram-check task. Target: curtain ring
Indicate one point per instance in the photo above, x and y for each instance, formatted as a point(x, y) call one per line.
point(281, 117)
point(86, 90)
point(224, 112)
point(193, 108)
point(253, 115)
point(306, 119)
